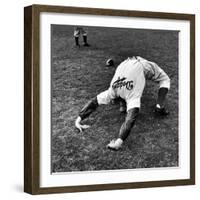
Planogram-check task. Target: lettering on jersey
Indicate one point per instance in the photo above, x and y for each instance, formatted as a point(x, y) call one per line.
point(122, 82)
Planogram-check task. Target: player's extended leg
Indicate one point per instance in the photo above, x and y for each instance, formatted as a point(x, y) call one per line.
point(125, 129)
point(160, 109)
point(103, 98)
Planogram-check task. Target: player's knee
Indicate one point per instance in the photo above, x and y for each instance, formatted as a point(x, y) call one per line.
point(166, 83)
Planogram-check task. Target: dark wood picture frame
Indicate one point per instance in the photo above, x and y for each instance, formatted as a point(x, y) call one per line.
point(32, 92)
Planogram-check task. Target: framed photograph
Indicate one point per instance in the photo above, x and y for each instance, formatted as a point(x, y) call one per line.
point(109, 99)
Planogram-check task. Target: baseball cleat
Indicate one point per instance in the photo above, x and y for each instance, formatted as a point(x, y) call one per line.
point(161, 111)
point(113, 145)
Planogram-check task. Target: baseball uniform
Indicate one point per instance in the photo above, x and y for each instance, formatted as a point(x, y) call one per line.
point(129, 81)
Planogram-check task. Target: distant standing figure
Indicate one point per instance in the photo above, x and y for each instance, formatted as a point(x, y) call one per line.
point(80, 31)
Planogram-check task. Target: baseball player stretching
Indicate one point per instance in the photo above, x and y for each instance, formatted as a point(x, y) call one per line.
point(128, 84)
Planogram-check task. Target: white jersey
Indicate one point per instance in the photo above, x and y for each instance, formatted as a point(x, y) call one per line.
point(129, 80)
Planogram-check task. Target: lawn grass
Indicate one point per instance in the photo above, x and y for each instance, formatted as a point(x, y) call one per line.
point(78, 74)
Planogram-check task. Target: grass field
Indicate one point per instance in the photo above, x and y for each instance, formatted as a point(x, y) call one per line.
point(78, 74)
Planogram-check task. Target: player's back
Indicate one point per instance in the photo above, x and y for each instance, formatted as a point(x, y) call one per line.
point(126, 75)
point(151, 70)
point(128, 69)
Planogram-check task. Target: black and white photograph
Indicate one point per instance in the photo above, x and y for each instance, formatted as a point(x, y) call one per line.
point(109, 99)
point(114, 98)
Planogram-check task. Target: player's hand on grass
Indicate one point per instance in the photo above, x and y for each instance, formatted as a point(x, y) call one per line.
point(80, 126)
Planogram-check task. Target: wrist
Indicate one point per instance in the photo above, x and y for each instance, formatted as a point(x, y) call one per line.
point(78, 120)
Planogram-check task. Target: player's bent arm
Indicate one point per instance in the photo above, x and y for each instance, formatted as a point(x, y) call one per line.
point(85, 112)
point(89, 108)
point(125, 129)
point(79, 125)
point(128, 123)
